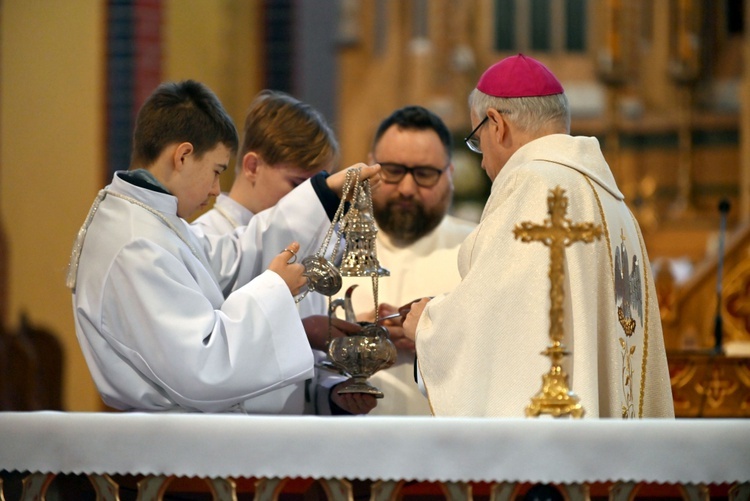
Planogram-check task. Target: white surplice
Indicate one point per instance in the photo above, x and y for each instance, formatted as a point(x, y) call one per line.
point(227, 215)
point(427, 267)
point(154, 326)
point(308, 397)
point(224, 217)
point(479, 346)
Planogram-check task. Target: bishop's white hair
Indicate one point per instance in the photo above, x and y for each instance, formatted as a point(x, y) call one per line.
point(530, 114)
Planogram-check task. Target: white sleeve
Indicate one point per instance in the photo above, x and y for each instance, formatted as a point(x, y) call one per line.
point(239, 256)
point(319, 388)
point(157, 318)
point(213, 223)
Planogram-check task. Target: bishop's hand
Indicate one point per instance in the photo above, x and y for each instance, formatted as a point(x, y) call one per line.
point(394, 324)
point(415, 310)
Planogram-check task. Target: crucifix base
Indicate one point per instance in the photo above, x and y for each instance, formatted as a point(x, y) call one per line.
point(555, 398)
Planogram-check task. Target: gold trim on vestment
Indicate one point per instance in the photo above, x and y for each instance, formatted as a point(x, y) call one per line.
point(644, 362)
point(646, 321)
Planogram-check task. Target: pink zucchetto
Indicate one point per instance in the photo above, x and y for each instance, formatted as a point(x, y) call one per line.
point(519, 76)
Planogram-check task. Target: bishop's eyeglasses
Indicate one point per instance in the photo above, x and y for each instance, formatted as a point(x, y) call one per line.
point(424, 176)
point(472, 141)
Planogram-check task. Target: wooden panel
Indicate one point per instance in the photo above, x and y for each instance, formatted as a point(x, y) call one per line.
point(704, 385)
point(688, 311)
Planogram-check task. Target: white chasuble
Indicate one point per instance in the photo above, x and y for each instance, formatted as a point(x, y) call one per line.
point(479, 347)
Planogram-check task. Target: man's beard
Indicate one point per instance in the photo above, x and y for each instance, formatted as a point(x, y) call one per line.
point(407, 225)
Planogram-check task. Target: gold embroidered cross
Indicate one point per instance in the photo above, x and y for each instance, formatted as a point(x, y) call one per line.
point(557, 232)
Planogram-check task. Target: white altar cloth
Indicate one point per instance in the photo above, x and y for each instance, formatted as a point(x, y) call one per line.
point(378, 448)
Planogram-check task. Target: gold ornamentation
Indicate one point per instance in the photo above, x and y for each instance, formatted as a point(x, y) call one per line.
point(717, 388)
point(743, 374)
point(629, 300)
point(680, 374)
point(711, 386)
point(647, 302)
point(557, 232)
point(736, 301)
point(628, 324)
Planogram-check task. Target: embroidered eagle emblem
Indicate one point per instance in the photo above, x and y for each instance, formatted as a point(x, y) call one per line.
point(629, 301)
point(628, 282)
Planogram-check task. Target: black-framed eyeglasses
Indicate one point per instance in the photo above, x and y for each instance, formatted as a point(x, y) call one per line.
point(424, 176)
point(472, 141)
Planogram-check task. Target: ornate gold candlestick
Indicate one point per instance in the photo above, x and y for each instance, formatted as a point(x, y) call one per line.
point(557, 232)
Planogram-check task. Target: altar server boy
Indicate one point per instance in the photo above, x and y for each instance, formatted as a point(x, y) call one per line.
point(155, 329)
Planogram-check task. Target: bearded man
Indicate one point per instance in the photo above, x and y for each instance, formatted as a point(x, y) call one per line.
point(417, 240)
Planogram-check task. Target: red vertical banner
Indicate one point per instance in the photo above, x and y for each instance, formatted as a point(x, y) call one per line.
point(134, 61)
point(148, 16)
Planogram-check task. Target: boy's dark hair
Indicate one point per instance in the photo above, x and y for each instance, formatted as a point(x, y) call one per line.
point(418, 118)
point(177, 112)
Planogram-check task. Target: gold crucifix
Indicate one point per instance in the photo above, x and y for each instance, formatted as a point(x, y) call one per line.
point(557, 232)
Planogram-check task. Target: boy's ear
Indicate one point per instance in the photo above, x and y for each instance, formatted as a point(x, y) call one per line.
point(181, 152)
point(250, 164)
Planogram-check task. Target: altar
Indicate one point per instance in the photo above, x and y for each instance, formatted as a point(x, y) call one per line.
point(388, 451)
